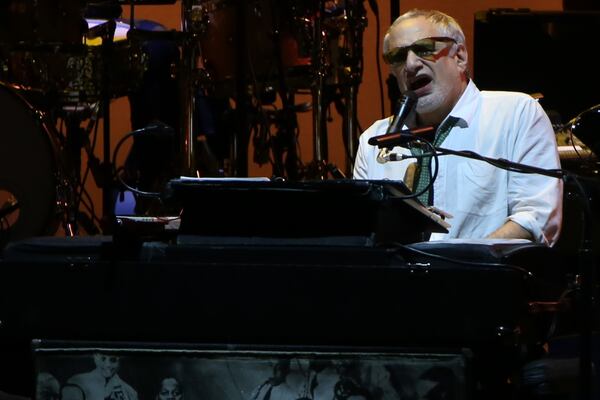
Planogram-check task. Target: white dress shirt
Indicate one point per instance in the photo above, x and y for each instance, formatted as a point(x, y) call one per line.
point(479, 196)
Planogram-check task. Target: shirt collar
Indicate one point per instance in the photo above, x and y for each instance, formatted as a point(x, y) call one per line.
point(465, 108)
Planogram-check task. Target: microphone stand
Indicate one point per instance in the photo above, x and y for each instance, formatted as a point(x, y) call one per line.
point(503, 163)
point(585, 257)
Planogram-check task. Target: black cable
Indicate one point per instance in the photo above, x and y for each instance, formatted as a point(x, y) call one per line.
point(432, 176)
point(115, 170)
point(132, 189)
point(586, 255)
point(88, 167)
point(375, 9)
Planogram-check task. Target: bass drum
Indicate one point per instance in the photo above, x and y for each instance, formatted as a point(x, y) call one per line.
point(29, 170)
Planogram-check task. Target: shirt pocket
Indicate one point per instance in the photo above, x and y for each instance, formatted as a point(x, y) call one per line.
point(479, 188)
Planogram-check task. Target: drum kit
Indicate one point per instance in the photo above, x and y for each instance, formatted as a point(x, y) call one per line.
point(59, 70)
point(54, 75)
point(256, 50)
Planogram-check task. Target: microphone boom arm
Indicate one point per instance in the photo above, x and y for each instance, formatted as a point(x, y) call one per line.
point(585, 255)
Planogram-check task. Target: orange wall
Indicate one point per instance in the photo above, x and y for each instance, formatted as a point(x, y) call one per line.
point(368, 102)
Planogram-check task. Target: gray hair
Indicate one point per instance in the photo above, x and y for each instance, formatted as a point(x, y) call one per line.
point(447, 25)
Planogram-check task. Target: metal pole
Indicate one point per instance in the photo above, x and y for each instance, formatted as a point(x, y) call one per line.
point(394, 10)
point(187, 90)
point(392, 83)
point(239, 159)
point(108, 211)
point(351, 128)
point(317, 89)
point(356, 25)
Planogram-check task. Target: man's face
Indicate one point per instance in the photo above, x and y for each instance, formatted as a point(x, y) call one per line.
point(437, 80)
point(107, 365)
point(47, 387)
point(170, 390)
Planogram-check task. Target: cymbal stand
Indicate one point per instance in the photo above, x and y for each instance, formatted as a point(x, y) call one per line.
point(284, 147)
point(243, 100)
point(392, 84)
point(356, 17)
point(72, 187)
point(192, 27)
point(320, 70)
point(106, 183)
point(347, 78)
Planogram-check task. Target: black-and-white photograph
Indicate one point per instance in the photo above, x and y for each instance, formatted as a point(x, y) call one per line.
point(163, 374)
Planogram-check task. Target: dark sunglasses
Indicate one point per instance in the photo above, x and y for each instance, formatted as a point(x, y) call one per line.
point(423, 48)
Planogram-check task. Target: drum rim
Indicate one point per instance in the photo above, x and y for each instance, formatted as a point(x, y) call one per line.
point(48, 219)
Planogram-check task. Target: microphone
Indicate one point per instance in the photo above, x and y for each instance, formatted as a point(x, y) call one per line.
point(406, 107)
point(400, 138)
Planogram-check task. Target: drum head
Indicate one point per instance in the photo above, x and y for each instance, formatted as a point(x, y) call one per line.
point(27, 171)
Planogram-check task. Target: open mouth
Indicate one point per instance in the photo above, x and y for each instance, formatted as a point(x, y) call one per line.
point(420, 82)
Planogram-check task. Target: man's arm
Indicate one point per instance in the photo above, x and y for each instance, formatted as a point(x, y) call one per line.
point(360, 170)
point(511, 230)
point(535, 201)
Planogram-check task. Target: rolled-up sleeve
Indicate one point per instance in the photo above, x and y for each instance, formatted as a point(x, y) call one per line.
point(535, 200)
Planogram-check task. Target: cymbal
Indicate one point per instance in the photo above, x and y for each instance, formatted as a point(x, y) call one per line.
point(120, 31)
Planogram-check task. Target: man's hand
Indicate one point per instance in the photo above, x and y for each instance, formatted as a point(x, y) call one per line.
point(511, 230)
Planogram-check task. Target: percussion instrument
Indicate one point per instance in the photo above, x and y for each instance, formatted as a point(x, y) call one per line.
point(279, 35)
point(32, 22)
point(586, 127)
point(74, 73)
point(31, 173)
point(217, 23)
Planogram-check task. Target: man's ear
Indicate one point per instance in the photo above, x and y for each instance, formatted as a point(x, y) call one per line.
point(462, 57)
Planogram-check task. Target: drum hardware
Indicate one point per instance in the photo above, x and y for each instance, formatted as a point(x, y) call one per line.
point(243, 105)
point(33, 22)
point(72, 74)
point(111, 82)
point(95, 83)
point(106, 183)
point(71, 192)
point(191, 26)
point(66, 82)
point(295, 46)
point(33, 179)
point(338, 76)
point(213, 61)
point(586, 127)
